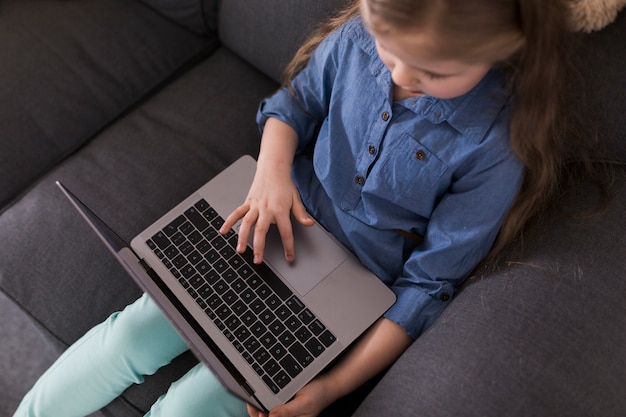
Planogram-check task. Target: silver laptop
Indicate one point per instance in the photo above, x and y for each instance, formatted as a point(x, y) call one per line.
point(264, 330)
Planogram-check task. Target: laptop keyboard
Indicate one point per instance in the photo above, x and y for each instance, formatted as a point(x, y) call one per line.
point(270, 326)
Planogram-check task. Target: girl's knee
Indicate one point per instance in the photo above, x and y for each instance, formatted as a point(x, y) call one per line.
point(141, 336)
point(196, 394)
point(142, 324)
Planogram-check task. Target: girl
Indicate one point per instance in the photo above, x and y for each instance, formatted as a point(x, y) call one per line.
point(417, 132)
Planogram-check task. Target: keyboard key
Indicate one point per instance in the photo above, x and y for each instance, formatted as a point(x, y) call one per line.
point(293, 324)
point(209, 213)
point(202, 205)
point(303, 334)
point(186, 247)
point(171, 252)
point(203, 267)
point(286, 338)
point(186, 228)
point(197, 281)
point(258, 329)
point(210, 234)
point(295, 304)
point(211, 256)
point(261, 356)
point(203, 246)
point(267, 340)
point(271, 367)
point(317, 327)
point(271, 385)
point(301, 355)
point(282, 379)
point(242, 333)
point(161, 240)
point(230, 297)
point(214, 302)
point(327, 338)
point(283, 312)
point(251, 345)
point(223, 312)
point(205, 292)
point(179, 261)
point(277, 327)
point(315, 347)
point(178, 238)
point(306, 316)
point(290, 365)
point(263, 291)
point(240, 309)
point(248, 297)
point(267, 317)
point(172, 228)
point(195, 237)
point(277, 351)
point(197, 219)
point(195, 257)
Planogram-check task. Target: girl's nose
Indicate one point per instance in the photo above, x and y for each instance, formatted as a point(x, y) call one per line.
point(402, 77)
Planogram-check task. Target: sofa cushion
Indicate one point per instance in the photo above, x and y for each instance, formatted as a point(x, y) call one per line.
point(68, 68)
point(130, 174)
point(257, 30)
point(199, 16)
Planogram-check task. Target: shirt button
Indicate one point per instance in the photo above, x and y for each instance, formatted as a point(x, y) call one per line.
point(360, 179)
point(385, 116)
point(444, 297)
point(371, 149)
point(420, 155)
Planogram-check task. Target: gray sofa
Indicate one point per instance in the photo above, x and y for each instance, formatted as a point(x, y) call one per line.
point(134, 104)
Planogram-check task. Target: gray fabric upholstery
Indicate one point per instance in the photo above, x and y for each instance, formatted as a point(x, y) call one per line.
point(602, 64)
point(66, 72)
point(268, 33)
point(199, 16)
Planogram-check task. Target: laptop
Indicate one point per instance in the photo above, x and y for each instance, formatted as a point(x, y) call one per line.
point(264, 330)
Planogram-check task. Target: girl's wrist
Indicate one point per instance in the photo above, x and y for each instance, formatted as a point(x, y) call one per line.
point(332, 387)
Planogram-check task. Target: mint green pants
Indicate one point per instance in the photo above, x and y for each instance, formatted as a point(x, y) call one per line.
point(118, 353)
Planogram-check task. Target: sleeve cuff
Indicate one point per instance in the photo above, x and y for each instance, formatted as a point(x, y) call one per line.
point(285, 107)
point(416, 310)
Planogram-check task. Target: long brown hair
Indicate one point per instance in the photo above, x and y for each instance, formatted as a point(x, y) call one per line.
point(530, 38)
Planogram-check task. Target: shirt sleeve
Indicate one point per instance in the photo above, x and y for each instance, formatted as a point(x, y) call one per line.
point(459, 235)
point(307, 105)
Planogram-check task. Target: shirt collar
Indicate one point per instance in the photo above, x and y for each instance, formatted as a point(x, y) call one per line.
point(471, 114)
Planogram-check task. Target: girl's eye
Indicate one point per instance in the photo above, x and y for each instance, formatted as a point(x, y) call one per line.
point(433, 76)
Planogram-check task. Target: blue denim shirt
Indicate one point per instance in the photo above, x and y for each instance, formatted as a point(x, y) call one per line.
point(441, 169)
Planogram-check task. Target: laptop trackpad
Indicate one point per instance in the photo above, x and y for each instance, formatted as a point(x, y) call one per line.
point(317, 255)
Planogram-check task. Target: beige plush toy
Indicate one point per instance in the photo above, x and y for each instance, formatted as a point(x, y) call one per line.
point(590, 15)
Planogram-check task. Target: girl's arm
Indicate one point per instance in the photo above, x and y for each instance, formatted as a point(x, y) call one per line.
point(376, 350)
point(273, 195)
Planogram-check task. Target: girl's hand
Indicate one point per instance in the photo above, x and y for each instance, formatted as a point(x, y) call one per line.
point(271, 200)
point(273, 195)
point(308, 402)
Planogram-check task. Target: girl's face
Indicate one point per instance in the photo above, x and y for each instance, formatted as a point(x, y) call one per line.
point(416, 72)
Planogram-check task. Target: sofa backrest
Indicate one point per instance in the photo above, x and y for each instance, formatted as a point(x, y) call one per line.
point(267, 33)
point(199, 16)
point(602, 64)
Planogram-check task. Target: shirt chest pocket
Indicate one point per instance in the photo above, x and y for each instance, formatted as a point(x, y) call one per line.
point(408, 172)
